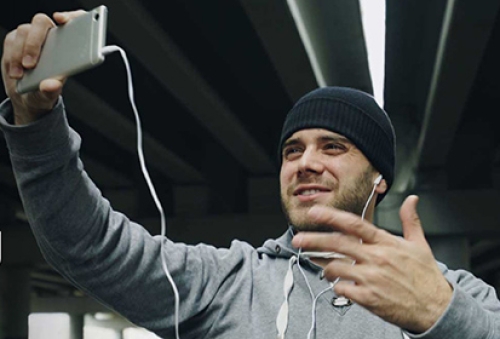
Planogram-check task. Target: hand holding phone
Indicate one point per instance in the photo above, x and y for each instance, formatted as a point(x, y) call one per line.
point(25, 50)
point(69, 49)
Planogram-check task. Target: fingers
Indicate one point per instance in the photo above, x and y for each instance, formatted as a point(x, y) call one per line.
point(344, 271)
point(35, 39)
point(363, 284)
point(330, 242)
point(9, 82)
point(345, 222)
point(13, 51)
point(412, 227)
point(63, 17)
point(22, 46)
point(349, 290)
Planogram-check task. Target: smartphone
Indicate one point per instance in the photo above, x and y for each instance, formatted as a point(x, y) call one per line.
point(69, 49)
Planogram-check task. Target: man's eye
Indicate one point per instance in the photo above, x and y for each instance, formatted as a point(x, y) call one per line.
point(334, 146)
point(291, 151)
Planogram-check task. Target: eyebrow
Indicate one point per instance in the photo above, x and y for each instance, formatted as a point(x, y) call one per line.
point(324, 138)
point(290, 142)
point(336, 138)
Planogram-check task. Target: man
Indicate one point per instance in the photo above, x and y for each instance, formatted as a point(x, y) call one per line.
point(337, 154)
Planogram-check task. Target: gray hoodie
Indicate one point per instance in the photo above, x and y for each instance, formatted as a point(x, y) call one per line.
point(224, 293)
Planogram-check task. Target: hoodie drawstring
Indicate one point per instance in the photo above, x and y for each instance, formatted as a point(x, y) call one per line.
point(282, 318)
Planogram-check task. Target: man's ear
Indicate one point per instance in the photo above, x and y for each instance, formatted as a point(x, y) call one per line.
point(381, 187)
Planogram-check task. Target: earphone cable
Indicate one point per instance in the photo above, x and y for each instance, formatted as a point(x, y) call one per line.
point(106, 50)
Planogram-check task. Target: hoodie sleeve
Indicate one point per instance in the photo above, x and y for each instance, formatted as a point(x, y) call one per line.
point(473, 313)
point(100, 250)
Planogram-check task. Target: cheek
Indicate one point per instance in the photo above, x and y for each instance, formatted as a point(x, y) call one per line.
point(342, 166)
point(334, 168)
point(286, 176)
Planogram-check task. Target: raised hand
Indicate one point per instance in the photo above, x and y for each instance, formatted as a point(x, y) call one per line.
point(21, 51)
point(395, 278)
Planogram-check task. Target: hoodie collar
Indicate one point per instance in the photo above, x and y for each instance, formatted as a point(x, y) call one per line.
point(281, 247)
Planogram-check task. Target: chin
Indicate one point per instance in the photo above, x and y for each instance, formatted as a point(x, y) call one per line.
point(308, 227)
point(302, 224)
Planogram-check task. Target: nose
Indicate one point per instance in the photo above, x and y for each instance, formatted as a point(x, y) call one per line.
point(310, 163)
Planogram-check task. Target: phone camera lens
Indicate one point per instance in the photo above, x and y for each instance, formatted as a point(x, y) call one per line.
point(96, 16)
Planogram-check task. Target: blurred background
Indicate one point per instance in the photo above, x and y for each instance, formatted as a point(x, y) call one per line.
point(214, 81)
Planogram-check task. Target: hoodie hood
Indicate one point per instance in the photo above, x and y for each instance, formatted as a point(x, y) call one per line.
point(280, 247)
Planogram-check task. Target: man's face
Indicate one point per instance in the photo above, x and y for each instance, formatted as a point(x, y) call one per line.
point(320, 167)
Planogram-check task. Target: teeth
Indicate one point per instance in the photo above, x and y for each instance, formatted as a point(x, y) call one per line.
point(310, 192)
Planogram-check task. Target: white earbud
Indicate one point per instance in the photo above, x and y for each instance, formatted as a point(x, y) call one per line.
point(378, 180)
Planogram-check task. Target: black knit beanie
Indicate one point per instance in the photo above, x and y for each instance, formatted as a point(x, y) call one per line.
point(352, 113)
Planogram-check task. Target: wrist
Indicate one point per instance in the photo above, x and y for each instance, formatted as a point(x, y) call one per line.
point(24, 115)
point(436, 310)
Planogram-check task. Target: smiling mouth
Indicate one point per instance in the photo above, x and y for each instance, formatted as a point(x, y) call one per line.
point(309, 192)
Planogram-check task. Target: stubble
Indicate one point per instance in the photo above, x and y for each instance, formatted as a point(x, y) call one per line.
point(351, 198)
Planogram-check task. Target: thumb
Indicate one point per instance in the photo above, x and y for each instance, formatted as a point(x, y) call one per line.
point(64, 17)
point(50, 89)
point(412, 227)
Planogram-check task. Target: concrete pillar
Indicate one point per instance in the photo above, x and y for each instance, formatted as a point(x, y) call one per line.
point(2, 302)
point(14, 302)
point(76, 323)
point(454, 251)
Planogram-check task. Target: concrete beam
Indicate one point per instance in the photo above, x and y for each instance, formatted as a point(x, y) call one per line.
point(442, 214)
point(165, 61)
point(488, 266)
point(447, 213)
point(94, 112)
point(484, 246)
point(124, 200)
point(453, 251)
point(337, 40)
point(67, 305)
point(413, 31)
point(276, 29)
point(220, 230)
point(19, 245)
point(464, 36)
point(50, 278)
point(103, 175)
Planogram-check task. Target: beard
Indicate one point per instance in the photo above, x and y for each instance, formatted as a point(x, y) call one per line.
point(351, 198)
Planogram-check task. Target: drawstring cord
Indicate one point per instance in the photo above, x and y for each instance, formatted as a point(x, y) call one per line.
point(282, 319)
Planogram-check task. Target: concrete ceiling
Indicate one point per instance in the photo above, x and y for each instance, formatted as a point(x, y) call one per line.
point(214, 81)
